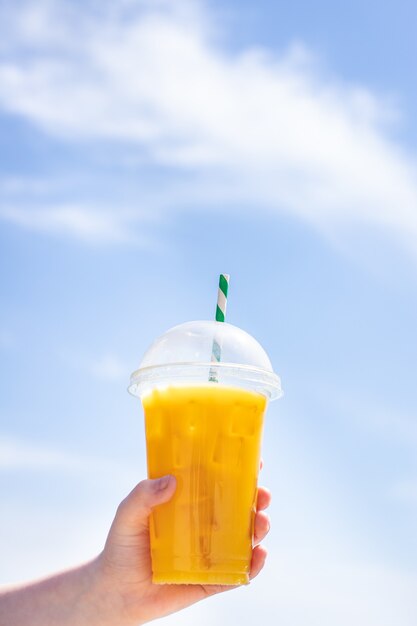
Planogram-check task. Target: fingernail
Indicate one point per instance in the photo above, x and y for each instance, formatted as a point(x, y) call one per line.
point(161, 483)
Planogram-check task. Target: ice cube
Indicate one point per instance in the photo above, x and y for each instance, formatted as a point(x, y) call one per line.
point(228, 450)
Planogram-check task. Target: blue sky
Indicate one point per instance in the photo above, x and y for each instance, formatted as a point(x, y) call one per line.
point(145, 147)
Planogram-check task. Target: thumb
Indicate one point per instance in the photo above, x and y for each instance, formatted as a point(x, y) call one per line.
point(134, 510)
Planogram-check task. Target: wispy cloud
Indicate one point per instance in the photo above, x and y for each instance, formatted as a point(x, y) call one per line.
point(271, 130)
point(21, 454)
point(79, 222)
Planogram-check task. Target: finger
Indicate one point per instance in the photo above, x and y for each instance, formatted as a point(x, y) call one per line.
point(261, 464)
point(135, 509)
point(261, 527)
point(259, 555)
point(264, 499)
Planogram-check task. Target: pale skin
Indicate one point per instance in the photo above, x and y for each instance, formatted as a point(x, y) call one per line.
point(115, 588)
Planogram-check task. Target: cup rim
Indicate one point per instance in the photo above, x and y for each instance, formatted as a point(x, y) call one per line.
point(193, 373)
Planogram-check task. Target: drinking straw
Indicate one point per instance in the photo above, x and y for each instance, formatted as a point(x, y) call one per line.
point(220, 317)
point(222, 297)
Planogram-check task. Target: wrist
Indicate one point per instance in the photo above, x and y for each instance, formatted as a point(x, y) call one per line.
point(101, 603)
point(75, 597)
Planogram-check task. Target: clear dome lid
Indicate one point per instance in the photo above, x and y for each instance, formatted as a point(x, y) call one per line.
point(206, 352)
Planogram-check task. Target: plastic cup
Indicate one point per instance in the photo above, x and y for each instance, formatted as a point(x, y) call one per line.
point(203, 424)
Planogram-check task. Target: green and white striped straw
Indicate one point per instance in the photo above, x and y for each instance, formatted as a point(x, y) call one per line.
point(222, 297)
point(220, 317)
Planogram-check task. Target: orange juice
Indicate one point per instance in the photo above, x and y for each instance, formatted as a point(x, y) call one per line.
point(209, 438)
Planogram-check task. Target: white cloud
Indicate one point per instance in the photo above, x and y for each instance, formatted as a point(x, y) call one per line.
point(268, 129)
point(79, 222)
point(20, 454)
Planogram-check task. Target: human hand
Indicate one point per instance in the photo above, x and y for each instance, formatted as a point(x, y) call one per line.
point(116, 587)
point(124, 567)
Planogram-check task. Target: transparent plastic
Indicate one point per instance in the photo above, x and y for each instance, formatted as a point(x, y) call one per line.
point(184, 355)
point(204, 423)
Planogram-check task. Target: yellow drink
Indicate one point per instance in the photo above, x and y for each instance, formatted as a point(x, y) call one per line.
point(209, 438)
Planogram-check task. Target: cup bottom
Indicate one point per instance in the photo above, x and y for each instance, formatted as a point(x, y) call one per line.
point(200, 578)
point(194, 569)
